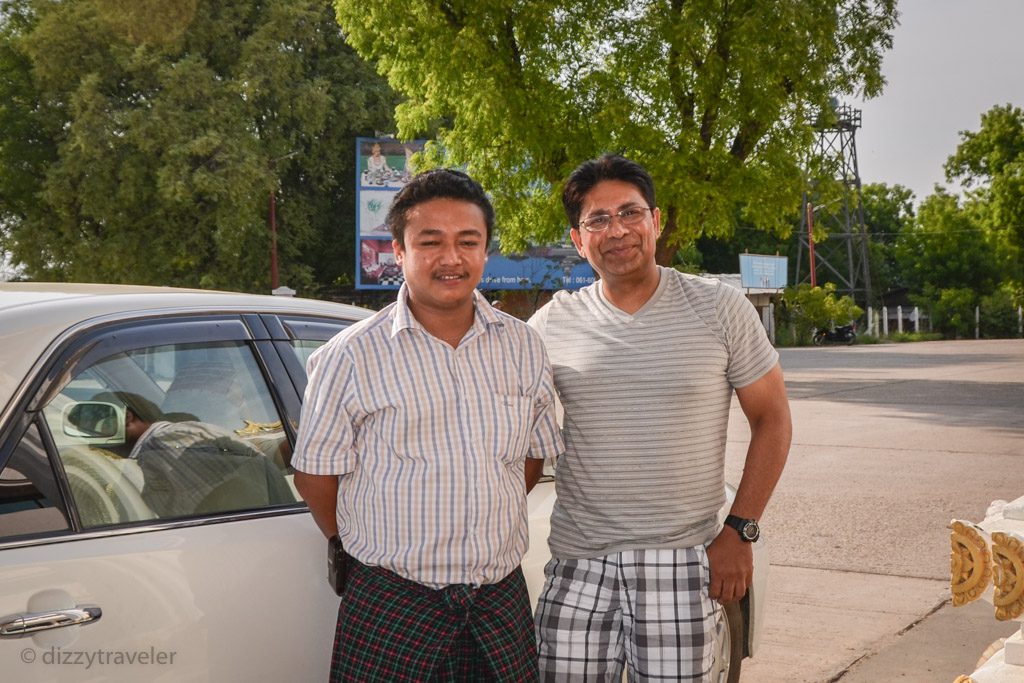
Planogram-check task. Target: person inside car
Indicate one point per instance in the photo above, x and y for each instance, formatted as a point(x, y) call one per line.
point(191, 467)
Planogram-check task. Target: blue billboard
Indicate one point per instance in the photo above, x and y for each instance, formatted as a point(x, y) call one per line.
point(383, 166)
point(763, 272)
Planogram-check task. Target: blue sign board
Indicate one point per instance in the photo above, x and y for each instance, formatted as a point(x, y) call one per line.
point(539, 268)
point(763, 272)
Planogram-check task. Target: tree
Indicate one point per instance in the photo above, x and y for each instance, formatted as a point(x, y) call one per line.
point(722, 255)
point(150, 135)
point(887, 211)
point(717, 99)
point(946, 247)
point(953, 311)
point(990, 162)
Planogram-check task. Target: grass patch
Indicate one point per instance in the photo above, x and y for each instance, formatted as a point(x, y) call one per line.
point(901, 337)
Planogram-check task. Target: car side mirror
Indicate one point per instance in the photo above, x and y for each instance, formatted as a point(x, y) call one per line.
point(93, 420)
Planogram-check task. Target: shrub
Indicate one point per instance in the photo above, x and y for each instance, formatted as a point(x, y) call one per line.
point(953, 313)
point(999, 315)
point(808, 308)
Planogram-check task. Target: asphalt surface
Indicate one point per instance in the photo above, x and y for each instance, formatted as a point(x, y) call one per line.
point(890, 443)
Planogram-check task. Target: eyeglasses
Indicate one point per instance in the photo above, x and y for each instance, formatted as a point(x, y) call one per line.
point(628, 217)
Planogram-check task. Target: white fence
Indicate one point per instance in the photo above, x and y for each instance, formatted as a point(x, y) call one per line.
point(881, 322)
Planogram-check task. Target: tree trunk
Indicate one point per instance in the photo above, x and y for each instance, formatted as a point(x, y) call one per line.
point(663, 253)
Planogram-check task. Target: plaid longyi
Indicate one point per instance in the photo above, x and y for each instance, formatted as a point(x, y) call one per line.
point(393, 629)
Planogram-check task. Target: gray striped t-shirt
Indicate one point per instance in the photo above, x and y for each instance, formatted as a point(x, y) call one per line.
point(646, 399)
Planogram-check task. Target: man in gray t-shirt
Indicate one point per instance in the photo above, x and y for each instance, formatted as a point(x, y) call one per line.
point(645, 363)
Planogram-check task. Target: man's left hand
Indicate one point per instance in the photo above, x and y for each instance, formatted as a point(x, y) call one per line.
point(732, 566)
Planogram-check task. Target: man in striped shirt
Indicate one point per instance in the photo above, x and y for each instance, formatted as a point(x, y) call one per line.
point(423, 428)
point(645, 362)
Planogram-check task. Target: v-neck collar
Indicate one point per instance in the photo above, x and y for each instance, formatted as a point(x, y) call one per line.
point(648, 305)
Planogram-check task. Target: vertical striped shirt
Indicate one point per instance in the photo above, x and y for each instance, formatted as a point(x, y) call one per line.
point(646, 399)
point(430, 441)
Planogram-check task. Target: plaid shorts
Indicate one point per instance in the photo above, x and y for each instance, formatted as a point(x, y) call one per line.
point(391, 629)
point(646, 608)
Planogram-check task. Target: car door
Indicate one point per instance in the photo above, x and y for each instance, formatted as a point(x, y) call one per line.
point(184, 554)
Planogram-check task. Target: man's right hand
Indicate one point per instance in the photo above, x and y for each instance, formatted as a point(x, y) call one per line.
point(731, 563)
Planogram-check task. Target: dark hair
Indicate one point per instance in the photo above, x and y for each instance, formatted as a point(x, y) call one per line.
point(142, 407)
point(606, 167)
point(439, 183)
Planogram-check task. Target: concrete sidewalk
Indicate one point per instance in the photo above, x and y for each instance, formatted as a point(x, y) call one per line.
point(890, 443)
point(824, 625)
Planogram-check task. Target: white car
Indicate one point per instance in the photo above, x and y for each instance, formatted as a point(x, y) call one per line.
point(202, 565)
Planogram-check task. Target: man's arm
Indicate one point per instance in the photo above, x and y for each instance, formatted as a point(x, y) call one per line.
point(534, 470)
point(546, 439)
point(767, 409)
point(320, 491)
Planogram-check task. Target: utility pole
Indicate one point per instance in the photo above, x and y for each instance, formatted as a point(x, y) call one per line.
point(274, 282)
point(810, 246)
point(272, 219)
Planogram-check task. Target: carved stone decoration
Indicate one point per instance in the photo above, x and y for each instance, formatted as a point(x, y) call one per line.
point(970, 563)
point(1008, 566)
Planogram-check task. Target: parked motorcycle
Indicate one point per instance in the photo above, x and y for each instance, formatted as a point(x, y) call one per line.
point(844, 334)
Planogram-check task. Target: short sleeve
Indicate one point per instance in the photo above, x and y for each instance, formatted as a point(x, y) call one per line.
point(325, 443)
point(751, 354)
point(539, 320)
point(546, 438)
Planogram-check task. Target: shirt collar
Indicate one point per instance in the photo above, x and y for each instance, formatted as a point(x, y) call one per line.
point(484, 317)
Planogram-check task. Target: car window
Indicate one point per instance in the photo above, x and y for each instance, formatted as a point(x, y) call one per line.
point(170, 431)
point(304, 348)
point(29, 497)
point(305, 335)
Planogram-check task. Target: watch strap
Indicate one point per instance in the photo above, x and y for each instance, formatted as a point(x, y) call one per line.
point(747, 528)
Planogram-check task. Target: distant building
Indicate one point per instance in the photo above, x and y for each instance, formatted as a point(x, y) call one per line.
point(761, 298)
point(757, 296)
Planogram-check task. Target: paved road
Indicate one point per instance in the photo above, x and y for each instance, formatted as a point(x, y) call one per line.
point(890, 443)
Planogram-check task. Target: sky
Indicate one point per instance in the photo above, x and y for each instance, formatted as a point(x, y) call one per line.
point(951, 61)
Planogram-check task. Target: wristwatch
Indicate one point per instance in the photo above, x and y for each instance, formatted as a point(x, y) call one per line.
point(748, 529)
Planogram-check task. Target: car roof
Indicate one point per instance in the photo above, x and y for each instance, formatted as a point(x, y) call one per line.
point(35, 315)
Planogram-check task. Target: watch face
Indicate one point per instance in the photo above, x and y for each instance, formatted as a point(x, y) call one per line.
point(751, 532)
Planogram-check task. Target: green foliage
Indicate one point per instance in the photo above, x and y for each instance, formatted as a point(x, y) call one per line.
point(887, 211)
point(717, 99)
point(144, 138)
point(868, 339)
point(808, 308)
point(953, 312)
point(722, 255)
point(947, 246)
point(904, 337)
point(991, 160)
point(999, 315)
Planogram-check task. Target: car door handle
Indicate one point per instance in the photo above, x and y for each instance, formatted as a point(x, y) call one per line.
point(24, 625)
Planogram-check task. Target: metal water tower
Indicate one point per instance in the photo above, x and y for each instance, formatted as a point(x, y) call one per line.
point(843, 257)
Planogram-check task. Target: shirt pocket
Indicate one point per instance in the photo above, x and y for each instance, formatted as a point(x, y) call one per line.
point(506, 435)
